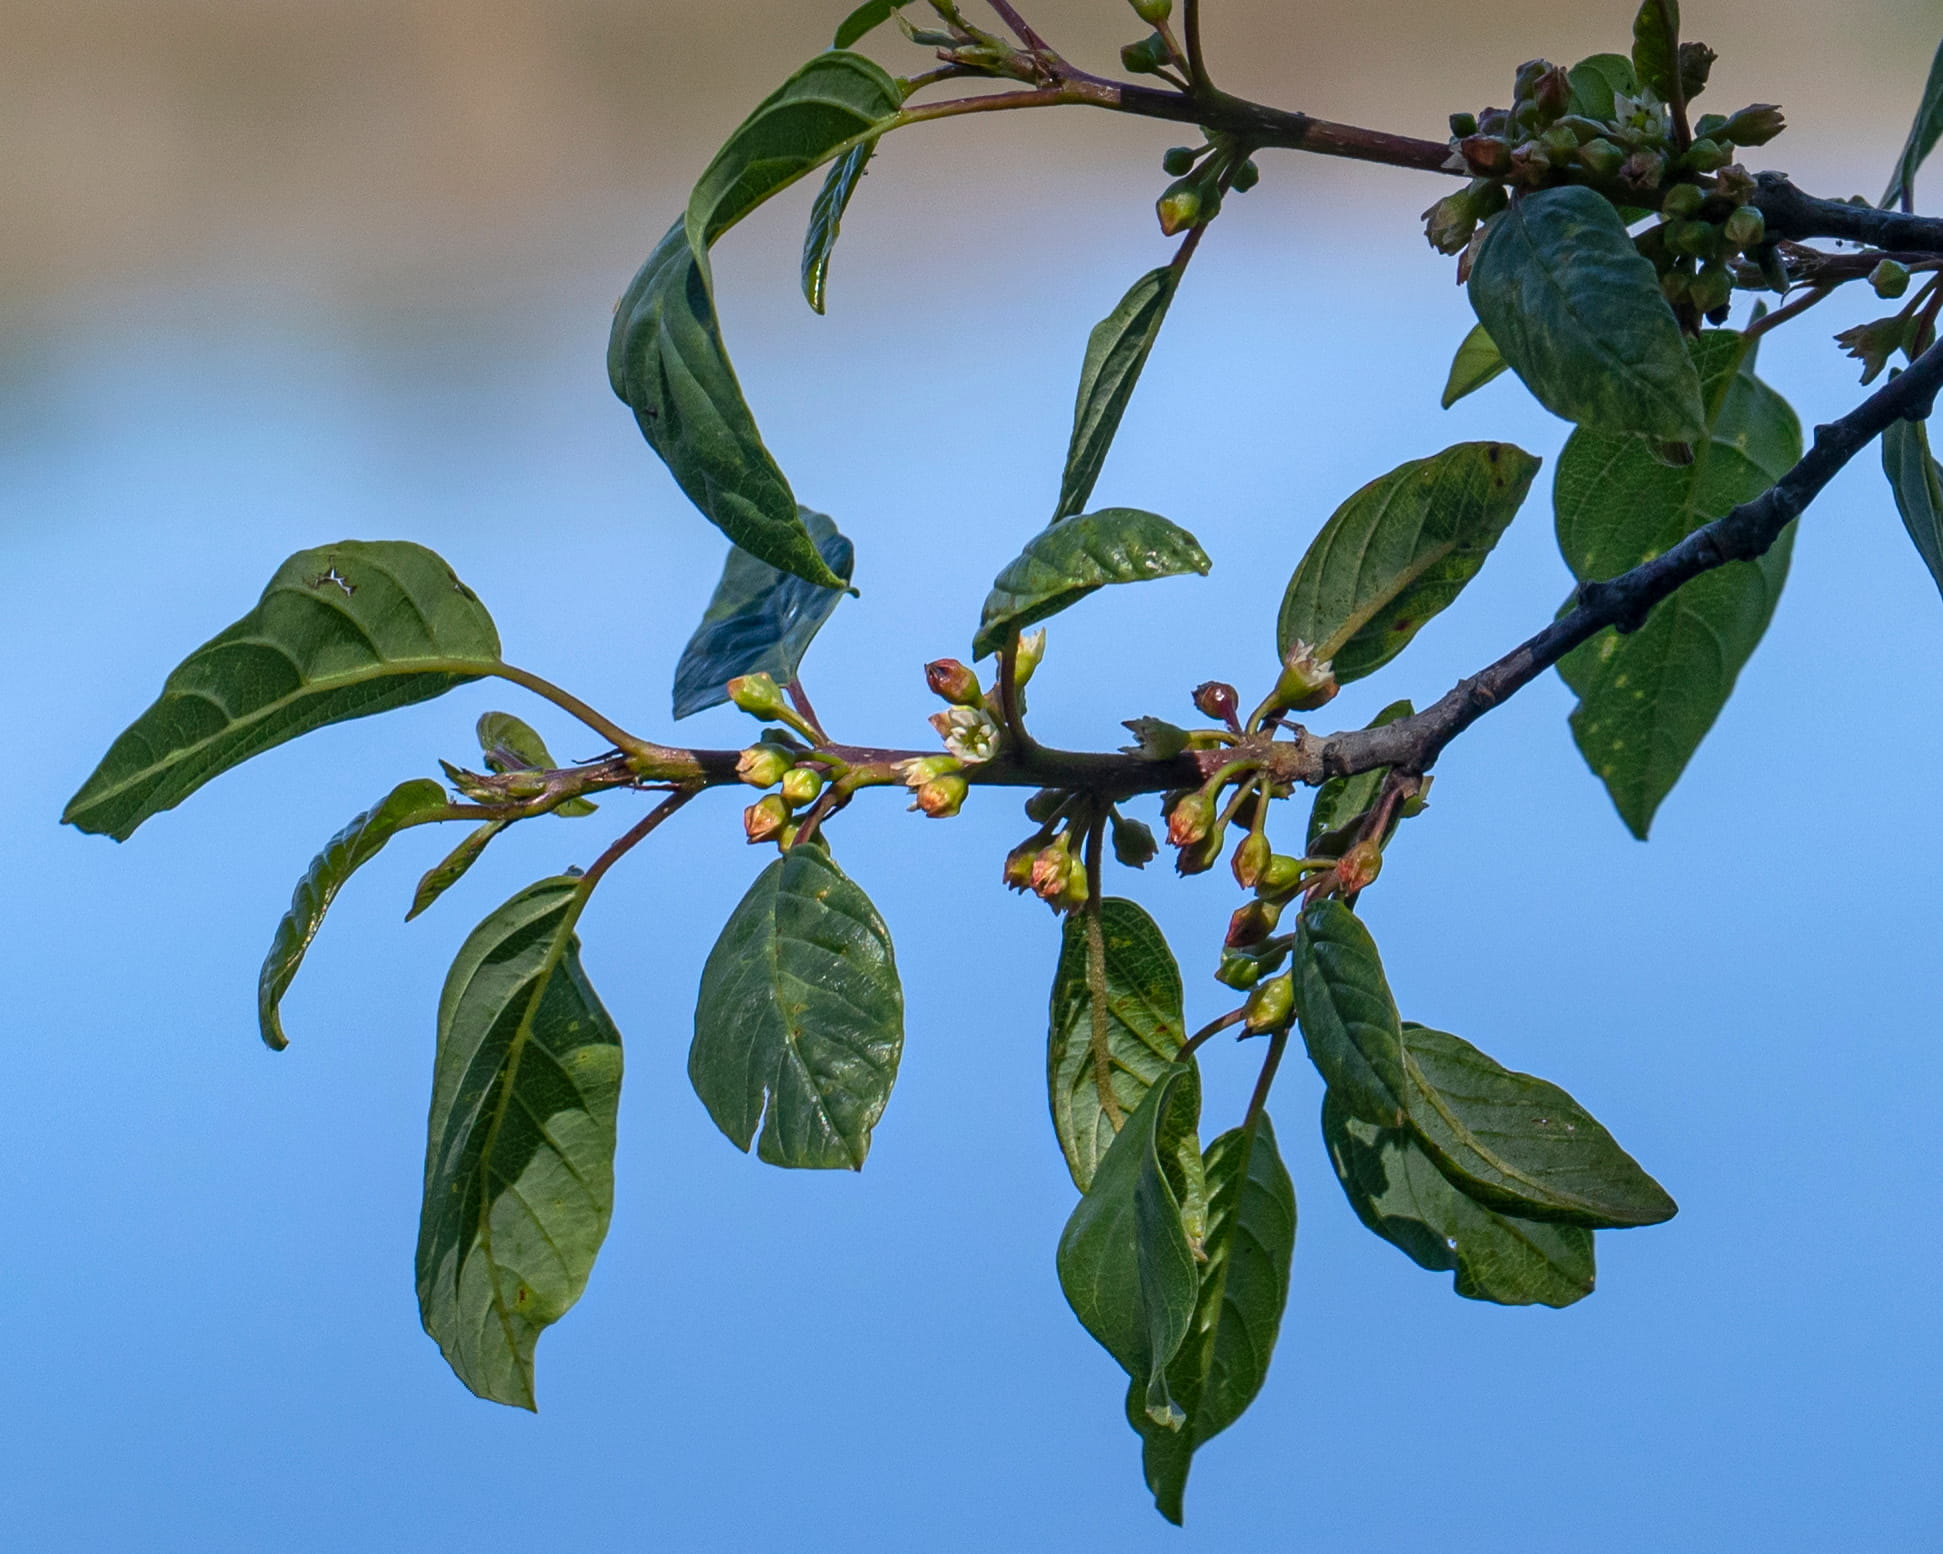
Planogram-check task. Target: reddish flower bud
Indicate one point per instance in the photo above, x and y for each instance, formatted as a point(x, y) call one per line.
point(941, 797)
point(1359, 867)
point(1218, 699)
point(1251, 924)
point(1250, 859)
point(764, 820)
point(953, 682)
point(1189, 820)
point(762, 766)
point(801, 786)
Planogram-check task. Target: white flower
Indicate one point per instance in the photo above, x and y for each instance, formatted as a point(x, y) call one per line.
point(968, 732)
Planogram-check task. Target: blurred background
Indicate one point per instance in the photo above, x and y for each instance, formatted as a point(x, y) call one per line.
point(275, 273)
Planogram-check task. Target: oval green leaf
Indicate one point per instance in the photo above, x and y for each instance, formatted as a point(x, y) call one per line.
point(826, 219)
point(1596, 81)
point(1399, 551)
point(800, 1022)
point(1519, 1144)
point(1063, 564)
point(519, 1158)
point(867, 18)
point(760, 621)
point(409, 804)
point(1579, 316)
point(1145, 1027)
point(1349, 1020)
point(1656, 48)
point(1918, 486)
point(1400, 1195)
point(1116, 351)
point(341, 632)
point(1476, 363)
point(1924, 132)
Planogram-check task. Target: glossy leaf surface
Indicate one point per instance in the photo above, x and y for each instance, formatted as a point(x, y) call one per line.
point(1918, 486)
point(1063, 564)
point(826, 218)
point(1399, 551)
point(1349, 1019)
point(1125, 1260)
point(1116, 351)
point(519, 1160)
point(1399, 1194)
point(358, 843)
point(800, 1022)
point(1342, 801)
point(1144, 1030)
point(1646, 700)
point(1476, 363)
point(1924, 132)
point(1244, 1286)
point(1578, 314)
point(760, 621)
point(1518, 1144)
point(341, 632)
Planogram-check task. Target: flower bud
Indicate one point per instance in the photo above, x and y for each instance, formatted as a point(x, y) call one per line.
point(1449, 223)
point(764, 820)
point(1133, 842)
point(1754, 126)
point(1201, 856)
point(1032, 652)
point(941, 797)
point(1238, 970)
point(1153, 12)
point(1463, 125)
point(968, 732)
point(1359, 866)
point(1696, 65)
point(1155, 739)
point(1705, 156)
point(1683, 202)
point(1525, 83)
point(954, 683)
point(1746, 228)
point(762, 766)
point(1419, 801)
point(1560, 145)
point(1050, 866)
point(1713, 287)
point(1642, 171)
point(1146, 56)
point(1177, 161)
point(1601, 158)
point(1529, 163)
point(1018, 866)
point(1873, 344)
point(1710, 126)
point(1279, 876)
point(1187, 202)
point(757, 695)
point(1246, 176)
point(801, 786)
point(1306, 683)
point(1252, 923)
point(1270, 1005)
point(1492, 121)
point(1218, 699)
point(1736, 183)
point(1486, 155)
point(1552, 93)
point(1190, 819)
point(1890, 279)
point(1044, 805)
point(1251, 857)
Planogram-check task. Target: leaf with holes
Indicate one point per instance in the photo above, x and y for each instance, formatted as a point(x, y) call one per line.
point(342, 632)
point(1349, 1020)
point(800, 1022)
point(409, 804)
point(760, 621)
point(1579, 316)
point(1244, 1286)
point(1646, 700)
point(1519, 1144)
point(1116, 351)
point(826, 218)
point(1476, 363)
point(519, 1158)
point(1918, 486)
point(1063, 564)
point(1924, 132)
point(1400, 1195)
point(1399, 551)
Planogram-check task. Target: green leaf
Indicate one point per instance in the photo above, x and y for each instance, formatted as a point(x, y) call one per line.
point(1918, 485)
point(1476, 363)
point(1116, 351)
point(1349, 1020)
point(519, 1158)
point(800, 1022)
point(1223, 1361)
point(1399, 551)
point(1520, 1145)
point(826, 218)
point(408, 804)
point(760, 621)
point(1596, 81)
point(449, 870)
point(341, 632)
point(1144, 1030)
point(1656, 47)
point(1647, 699)
point(1063, 564)
point(1579, 316)
point(665, 356)
point(1342, 801)
point(1126, 1263)
point(868, 17)
point(1923, 135)
point(510, 745)
point(1396, 1191)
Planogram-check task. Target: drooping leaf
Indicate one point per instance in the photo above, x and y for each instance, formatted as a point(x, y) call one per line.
point(511, 745)
point(1145, 1028)
point(1116, 351)
point(665, 355)
point(867, 18)
point(341, 632)
point(1063, 564)
point(519, 1158)
point(1223, 1361)
point(1398, 1193)
point(826, 218)
point(1596, 81)
point(760, 621)
point(1126, 1263)
point(800, 1022)
point(1349, 1020)
point(1476, 363)
point(1399, 551)
point(1342, 801)
point(1578, 314)
point(1924, 132)
point(450, 869)
point(1918, 485)
point(410, 803)
point(1647, 699)
point(1518, 1144)
point(1656, 47)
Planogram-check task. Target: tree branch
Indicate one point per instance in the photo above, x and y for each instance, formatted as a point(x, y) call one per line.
point(1791, 213)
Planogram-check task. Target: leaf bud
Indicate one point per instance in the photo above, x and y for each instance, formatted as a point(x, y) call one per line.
point(1280, 875)
point(1706, 156)
point(953, 682)
point(968, 732)
point(1754, 126)
point(762, 766)
point(1359, 866)
point(1601, 158)
point(1463, 125)
point(1696, 65)
point(1153, 12)
point(1251, 857)
point(1218, 699)
point(1238, 971)
point(757, 695)
point(1133, 842)
point(1031, 653)
point(1146, 56)
point(1155, 739)
point(1247, 175)
point(1683, 202)
point(1190, 819)
point(1890, 279)
point(1177, 161)
point(764, 820)
point(1746, 228)
point(941, 797)
point(1270, 1005)
point(1252, 923)
point(1307, 682)
point(801, 786)
point(1485, 155)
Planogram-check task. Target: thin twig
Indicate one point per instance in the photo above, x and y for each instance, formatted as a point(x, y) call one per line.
point(635, 834)
point(799, 699)
point(1277, 1045)
point(1793, 308)
point(1197, 62)
point(1208, 1032)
